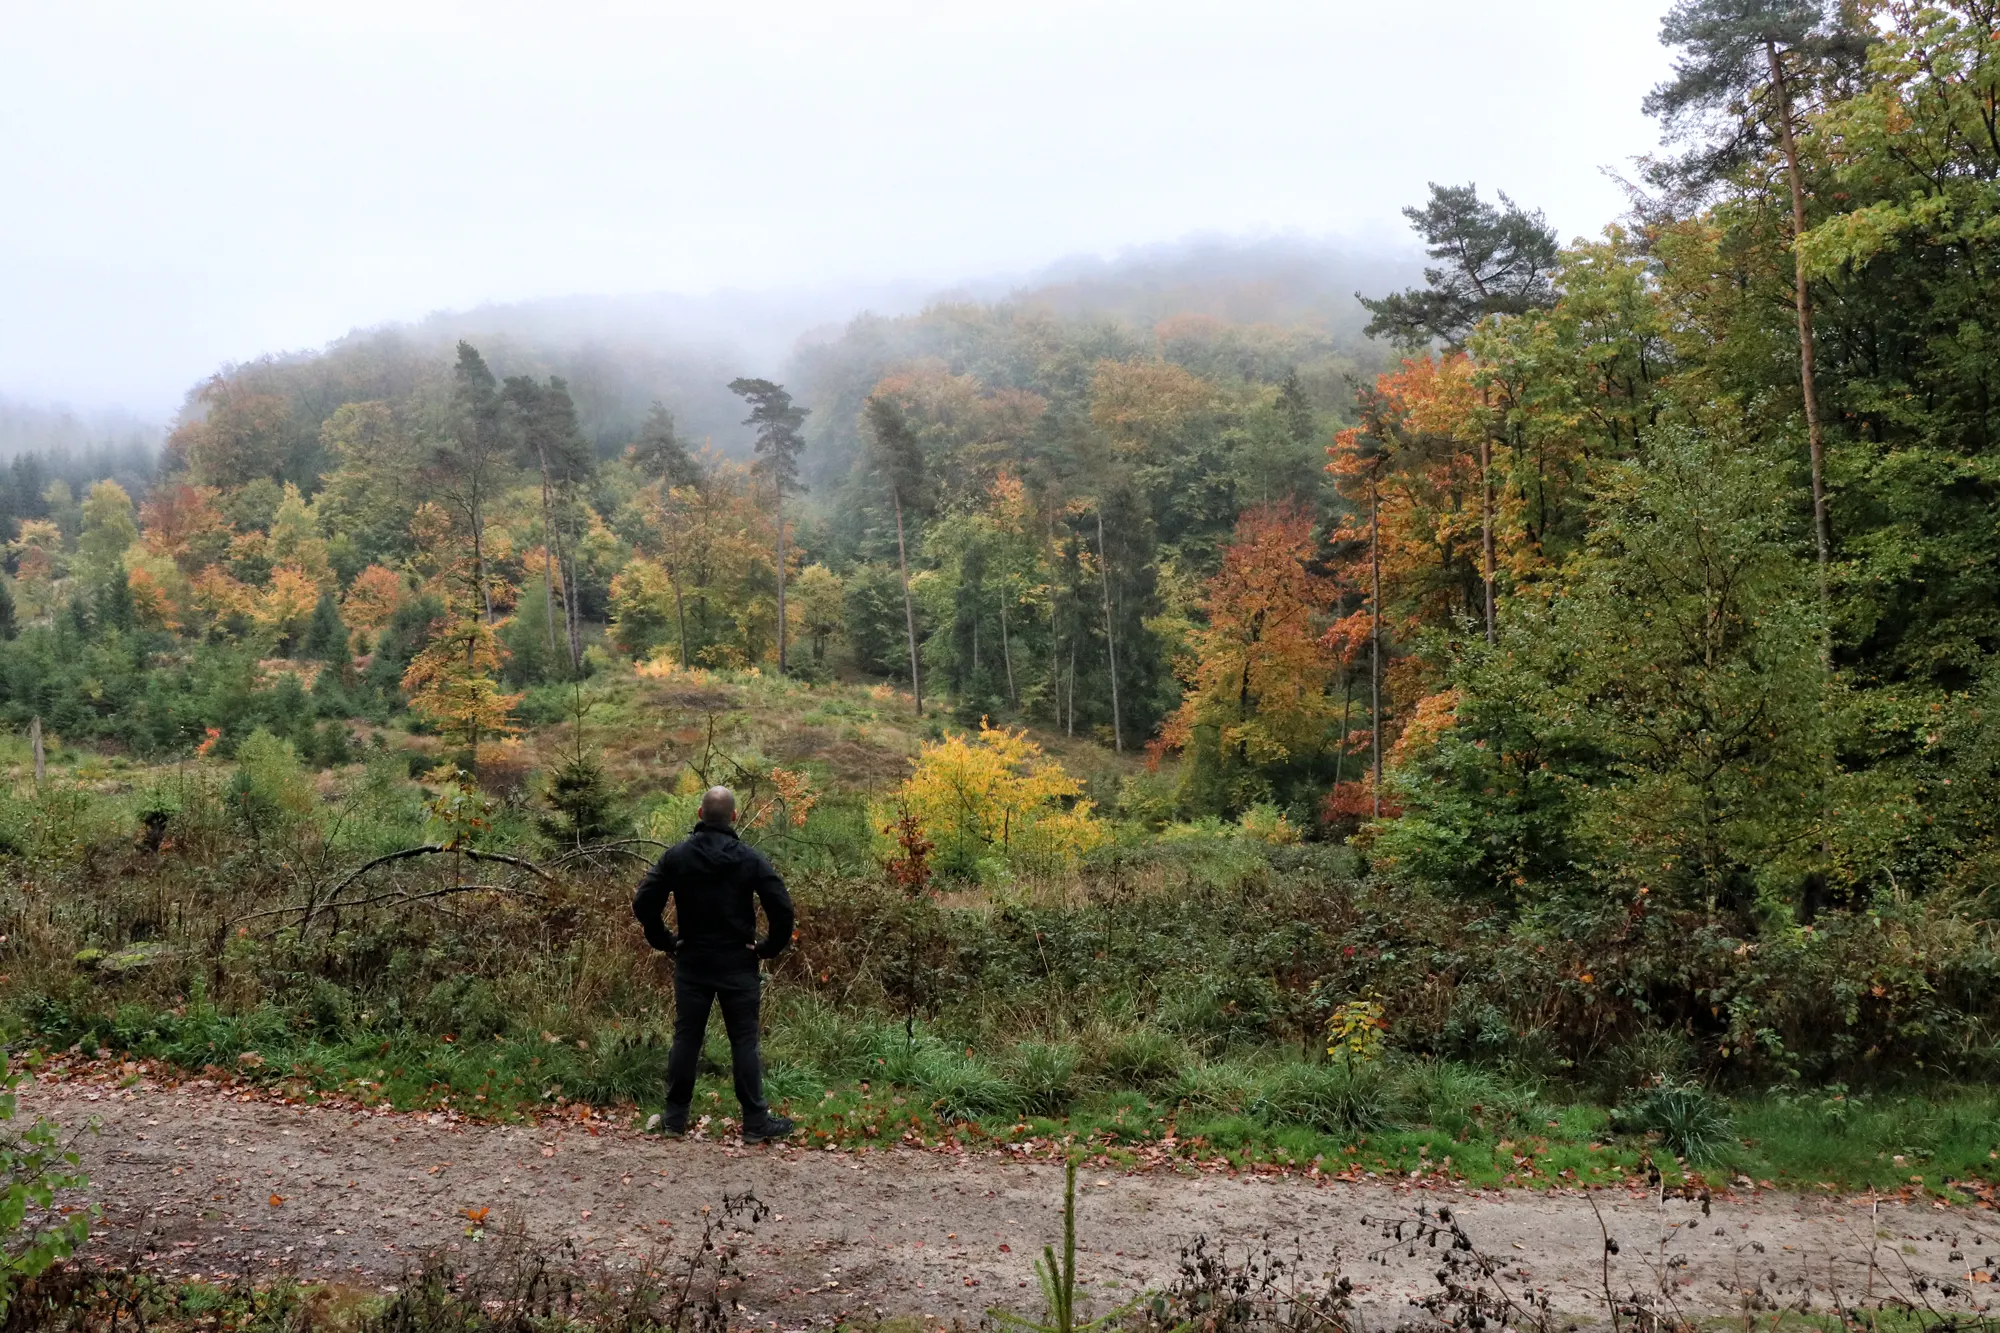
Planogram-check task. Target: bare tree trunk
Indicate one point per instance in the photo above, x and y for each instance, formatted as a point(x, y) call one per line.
point(555, 555)
point(479, 560)
point(1486, 533)
point(909, 610)
point(1110, 636)
point(41, 757)
point(1346, 713)
point(781, 573)
point(1802, 298)
point(1071, 730)
point(1375, 633)
point(1055, 612)
point(548, 551)
point(680, 614)
point(1007, 652)
point(572, 603)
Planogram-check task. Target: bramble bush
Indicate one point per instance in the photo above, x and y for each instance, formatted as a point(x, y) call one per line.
point(35, 1231)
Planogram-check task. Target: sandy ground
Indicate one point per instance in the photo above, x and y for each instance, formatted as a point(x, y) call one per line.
point(195, 1181)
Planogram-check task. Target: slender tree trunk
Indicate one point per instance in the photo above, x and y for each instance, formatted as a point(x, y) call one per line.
point(1375, 633)
point(479, 558)
point(1007, 653)
point(572, 602)
point(680, 614)
point(41, 756)
point(556, 563)
point(548, 550)
point(1802, 298)
point(781, 573)
point(1071, 730)
point(1486, 534)
point(909, 609)
point(1110, 636)
point(1346, 712)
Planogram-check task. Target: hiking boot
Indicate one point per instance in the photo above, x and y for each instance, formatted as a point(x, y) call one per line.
point(668, 1124)
point(773, 1127)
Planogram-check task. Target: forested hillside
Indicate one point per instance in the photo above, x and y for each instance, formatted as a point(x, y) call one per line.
point(1613, 623)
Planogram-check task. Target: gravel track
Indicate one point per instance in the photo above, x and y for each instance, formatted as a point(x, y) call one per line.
point(198, 1180)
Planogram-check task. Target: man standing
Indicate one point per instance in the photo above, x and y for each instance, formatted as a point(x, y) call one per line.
point(716, 881)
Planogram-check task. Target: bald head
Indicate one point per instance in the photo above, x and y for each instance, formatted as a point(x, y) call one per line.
point(718, 807)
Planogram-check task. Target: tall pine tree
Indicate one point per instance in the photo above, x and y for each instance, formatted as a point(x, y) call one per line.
point(779, 442)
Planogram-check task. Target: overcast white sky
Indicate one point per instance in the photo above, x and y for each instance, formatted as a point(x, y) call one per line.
point(182, 185)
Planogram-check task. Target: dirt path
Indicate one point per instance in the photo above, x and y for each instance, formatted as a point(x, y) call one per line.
point(193, 1181)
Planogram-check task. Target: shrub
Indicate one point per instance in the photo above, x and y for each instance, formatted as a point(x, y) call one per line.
point(468, 1007)
point(1225, 1010)
point(1656, 1055)
point(1143, 1057)
point(1457, 1098)
point(33, 1166)
point(997, 796)
point(1689, 1119)
point(813, 1034)
point(1333, 1099)
point(1214, 1088)
point(962, 1087)
point(1045, 1076)
point(271, 789)
point(629, 1066)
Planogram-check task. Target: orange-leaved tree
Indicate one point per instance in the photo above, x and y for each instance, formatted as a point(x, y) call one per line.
point(1411, 473)
point(1259, 713)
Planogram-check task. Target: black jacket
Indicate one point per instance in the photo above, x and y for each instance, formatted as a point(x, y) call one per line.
point(715, 879)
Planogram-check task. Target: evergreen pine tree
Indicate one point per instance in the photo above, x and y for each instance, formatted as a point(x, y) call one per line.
point(326, 635)
point(114, 600)
point(1496, 261)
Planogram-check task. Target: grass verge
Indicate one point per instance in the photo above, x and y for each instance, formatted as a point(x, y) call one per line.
point(867, 1084)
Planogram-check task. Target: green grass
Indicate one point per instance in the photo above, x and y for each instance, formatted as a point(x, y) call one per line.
point(858, 1081)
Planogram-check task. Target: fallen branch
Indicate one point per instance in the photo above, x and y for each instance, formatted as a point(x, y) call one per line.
point(314, 905)
point(445, 892)
point(621, 846)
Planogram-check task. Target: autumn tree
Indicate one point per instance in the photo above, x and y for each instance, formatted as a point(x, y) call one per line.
point(778, 423)
point(1257, 706)
point(453, 681)
point(700, 572)
point(997, 796)
point(819, 608)
point(108, 531)
point(241, 435)
point(1494, 261)
point(182, 523)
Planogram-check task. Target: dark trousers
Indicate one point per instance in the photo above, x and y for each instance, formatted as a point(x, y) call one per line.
point(734, 984)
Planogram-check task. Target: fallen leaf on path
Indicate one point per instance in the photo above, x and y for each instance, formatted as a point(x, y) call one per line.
point(277, 1199)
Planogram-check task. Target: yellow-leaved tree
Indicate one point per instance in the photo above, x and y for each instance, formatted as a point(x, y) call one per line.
point(452, 682)
point(995, 799)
